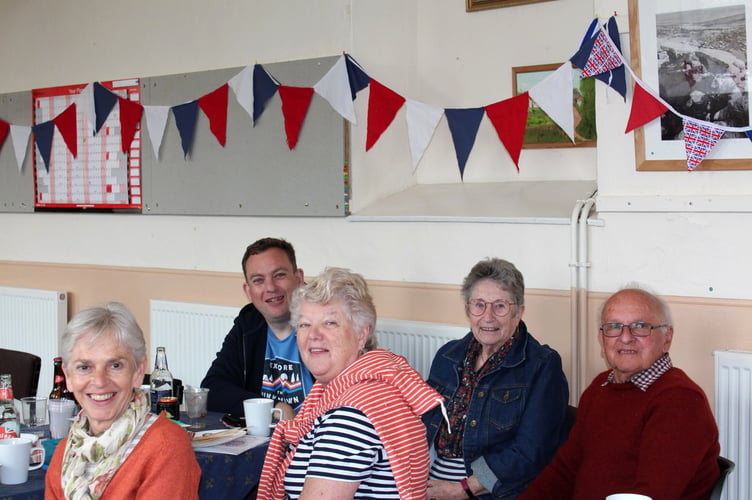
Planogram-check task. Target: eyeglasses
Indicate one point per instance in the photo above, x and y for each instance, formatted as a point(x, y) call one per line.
point(637, 329)
point(500, 308)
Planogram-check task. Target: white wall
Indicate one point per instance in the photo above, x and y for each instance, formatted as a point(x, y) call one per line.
point(428, 50)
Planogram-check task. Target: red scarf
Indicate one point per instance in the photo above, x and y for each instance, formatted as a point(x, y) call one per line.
point(391, 394)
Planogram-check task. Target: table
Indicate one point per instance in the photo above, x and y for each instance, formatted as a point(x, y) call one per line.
point(222, 476)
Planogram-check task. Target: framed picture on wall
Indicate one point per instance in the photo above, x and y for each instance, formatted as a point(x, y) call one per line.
point(695, 54)
point(474, 5)
point(541, 131)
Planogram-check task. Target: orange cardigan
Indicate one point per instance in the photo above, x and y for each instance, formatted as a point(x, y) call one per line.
point(162, 465)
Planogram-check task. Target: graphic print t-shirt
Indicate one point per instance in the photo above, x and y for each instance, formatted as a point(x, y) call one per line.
point(286, 378)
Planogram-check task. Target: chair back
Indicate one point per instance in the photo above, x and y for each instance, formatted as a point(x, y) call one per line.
point(726, 467)
point(24, 369)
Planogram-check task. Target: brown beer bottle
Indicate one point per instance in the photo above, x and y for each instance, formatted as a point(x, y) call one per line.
point(59, 387)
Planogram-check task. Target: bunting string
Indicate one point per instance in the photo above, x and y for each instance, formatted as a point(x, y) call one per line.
point(599, 56)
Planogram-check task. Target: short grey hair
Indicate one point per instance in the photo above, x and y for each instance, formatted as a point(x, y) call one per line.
point(336, 283)
point(96, 322)
point(501, 272)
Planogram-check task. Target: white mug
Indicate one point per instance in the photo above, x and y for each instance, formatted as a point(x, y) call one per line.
point(627, 496)
point(258, 415)
point(14, 460)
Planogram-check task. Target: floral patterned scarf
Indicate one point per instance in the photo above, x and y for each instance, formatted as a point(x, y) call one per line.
point(448, 443)
point(90, 461)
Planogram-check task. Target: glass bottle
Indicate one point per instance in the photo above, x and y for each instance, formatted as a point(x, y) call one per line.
point(59, 386)
point(9, 425)
point(160, 380)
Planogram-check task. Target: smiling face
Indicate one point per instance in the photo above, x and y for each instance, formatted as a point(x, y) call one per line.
point(270, 279)
point(327, 339)
point(626, 354)
point(102, 374)
point(488, 329)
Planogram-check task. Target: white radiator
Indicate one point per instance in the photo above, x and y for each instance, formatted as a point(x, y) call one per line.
point(191, 334)
point(417, 341)
point(733, 412)
point(32, 321)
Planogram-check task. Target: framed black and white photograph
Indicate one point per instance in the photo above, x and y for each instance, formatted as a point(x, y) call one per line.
point(695, 55)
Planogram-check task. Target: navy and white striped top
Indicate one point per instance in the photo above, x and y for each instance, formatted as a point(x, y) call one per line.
point(343, 446)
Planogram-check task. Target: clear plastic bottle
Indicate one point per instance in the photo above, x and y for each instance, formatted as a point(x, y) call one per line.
point(160, 380)
point(9, 424)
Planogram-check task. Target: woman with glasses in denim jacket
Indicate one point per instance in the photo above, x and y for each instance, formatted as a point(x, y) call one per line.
point(506, 395)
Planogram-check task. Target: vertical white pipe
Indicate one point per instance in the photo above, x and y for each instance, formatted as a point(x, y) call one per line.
point(583, 268)
point(574, 377)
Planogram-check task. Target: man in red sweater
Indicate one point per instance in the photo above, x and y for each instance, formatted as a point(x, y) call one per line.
point(643, 426)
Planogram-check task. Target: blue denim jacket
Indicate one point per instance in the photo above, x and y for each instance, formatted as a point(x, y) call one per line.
point(517, 416)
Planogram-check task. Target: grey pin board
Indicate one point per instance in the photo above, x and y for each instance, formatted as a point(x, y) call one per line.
point(16, 188)
point(255, 173)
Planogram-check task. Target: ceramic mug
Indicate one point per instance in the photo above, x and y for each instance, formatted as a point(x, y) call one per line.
point(14, 460)
point(258, 415)
point(627, 496)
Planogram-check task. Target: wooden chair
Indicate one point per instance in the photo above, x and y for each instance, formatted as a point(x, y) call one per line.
point(726, 467)
point(24, 369)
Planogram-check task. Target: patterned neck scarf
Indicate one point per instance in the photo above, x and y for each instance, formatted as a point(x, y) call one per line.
point(449, 444)
point(90, 461)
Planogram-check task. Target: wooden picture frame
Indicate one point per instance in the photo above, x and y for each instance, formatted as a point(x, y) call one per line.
point(652, 27)
point(476, 5)
point(541, 131)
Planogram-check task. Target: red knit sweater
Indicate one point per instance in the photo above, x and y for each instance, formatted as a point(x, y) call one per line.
point(662, 443)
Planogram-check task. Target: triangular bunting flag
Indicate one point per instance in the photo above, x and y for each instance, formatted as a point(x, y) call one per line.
point(580, 58)
point(156, 121)
point(356, 76)
point(463, 124)
point(19, 134)
point(66, 124)
point(43, 133)
point(699, 139)
point(185, 119)
point(645, 108)
point(383, 104)
point(214, 106)
point(130, 116)
point(617, 77)
point(334, 87)
point(509, 118)
point(295, 102)
point(749, 134)
point(422, 120)
point(4, 127)
point(242, 85)
point(104, 101)
point(603, 58)
point(554, 96)
point(264, 88)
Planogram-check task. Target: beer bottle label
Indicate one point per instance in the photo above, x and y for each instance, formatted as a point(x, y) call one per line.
point(10, 429)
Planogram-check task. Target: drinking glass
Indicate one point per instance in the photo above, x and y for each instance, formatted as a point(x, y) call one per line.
point(195, 406)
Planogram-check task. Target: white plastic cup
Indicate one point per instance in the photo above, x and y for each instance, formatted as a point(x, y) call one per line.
point(258, 415)
point(61, 412)
point(34, 411)
point(14, 460)
point(627, 496)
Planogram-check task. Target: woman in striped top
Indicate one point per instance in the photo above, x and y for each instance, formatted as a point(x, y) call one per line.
point(359, 432)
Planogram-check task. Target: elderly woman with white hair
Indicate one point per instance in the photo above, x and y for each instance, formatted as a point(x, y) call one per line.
point(359, 432)
point(115, 448)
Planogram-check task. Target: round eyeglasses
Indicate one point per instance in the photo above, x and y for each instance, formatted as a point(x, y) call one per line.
point(500, 308)
point(637, 328)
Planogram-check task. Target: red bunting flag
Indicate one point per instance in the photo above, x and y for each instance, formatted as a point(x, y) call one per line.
point(699, 139)
point(4, 128)
point(214, 106)
point(509, 118)
point(645, 108)
point(383, 104)
point(130, 116)
point(295, 103)
point(66, 124)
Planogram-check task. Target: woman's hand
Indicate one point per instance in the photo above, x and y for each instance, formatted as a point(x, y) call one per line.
point(287, 412)
point(445, 490)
